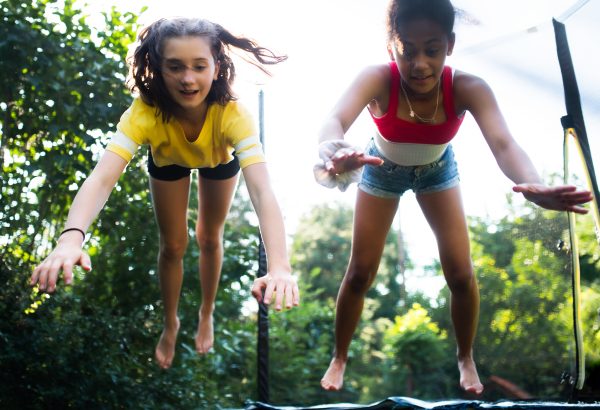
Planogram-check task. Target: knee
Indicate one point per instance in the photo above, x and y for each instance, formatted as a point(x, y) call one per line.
point(209, 243)
point(460, 281)
point(359, 276)
point(173, 250)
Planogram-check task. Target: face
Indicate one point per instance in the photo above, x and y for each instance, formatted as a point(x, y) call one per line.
point(189, 69)
point(420, 54)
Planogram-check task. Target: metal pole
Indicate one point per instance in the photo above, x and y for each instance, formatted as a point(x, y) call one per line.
point(263, 311)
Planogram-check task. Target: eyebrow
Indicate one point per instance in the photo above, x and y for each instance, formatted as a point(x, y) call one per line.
point(433, 40)
point(176, 60)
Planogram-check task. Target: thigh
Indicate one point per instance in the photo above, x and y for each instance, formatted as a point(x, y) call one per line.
point(214, 200)
point(170, 200)
point(445, 214)
point(373, 218)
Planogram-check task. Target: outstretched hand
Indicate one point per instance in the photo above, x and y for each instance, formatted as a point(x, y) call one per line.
point(349, 159)
point(556, 198)
point(67, 254)
point(281, 283)
point(341, 164)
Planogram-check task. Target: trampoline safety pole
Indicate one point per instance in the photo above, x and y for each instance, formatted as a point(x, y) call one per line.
point(263, 310)
point(574, 130)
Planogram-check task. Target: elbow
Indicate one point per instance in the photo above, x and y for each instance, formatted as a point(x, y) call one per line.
point(96, 184)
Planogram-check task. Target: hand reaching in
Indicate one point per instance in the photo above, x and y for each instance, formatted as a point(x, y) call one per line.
point(281, 283)
point(67, 254)
point(349, 159)
point(557, 198)
point(341, 164)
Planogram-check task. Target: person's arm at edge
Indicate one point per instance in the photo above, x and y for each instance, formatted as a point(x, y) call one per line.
point(279, 277)
point(367, 87)
point(478, 98)
point(88, 202)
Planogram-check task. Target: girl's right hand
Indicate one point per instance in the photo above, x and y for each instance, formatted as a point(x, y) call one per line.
point(67, 254)
point(341, 164)
point(349, 159)
point(340, 156)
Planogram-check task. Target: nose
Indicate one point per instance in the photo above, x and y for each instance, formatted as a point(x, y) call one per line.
point(419, 62)
point(188, 76)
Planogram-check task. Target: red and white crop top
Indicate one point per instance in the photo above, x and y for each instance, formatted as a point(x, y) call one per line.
point(410, 144)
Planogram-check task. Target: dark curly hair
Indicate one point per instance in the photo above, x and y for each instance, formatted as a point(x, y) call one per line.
point(144, 63)
point(402, 11)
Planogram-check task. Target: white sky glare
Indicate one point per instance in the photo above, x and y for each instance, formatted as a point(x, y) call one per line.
point(328, 42)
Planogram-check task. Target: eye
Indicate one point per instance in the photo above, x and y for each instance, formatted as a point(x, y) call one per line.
point(174, 68)
point(199, 67)
point(432, 52)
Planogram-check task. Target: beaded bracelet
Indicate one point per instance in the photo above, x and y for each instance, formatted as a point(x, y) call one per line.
point(73, 229)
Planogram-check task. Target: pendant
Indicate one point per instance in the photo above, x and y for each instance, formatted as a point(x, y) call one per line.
point(412, 114)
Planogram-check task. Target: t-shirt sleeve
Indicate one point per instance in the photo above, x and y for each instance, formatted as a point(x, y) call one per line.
point(241, 134)
point(129, 135)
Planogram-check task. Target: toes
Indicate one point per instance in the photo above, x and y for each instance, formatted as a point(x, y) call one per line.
point(160, 359)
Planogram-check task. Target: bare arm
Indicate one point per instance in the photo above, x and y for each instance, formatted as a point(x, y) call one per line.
point(369, 87)
point(87, 204)
point(279, 276)
point(477, 97)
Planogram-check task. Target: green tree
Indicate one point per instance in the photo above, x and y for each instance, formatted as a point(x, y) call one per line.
point(416, 347)
point(321, 247)
point(523, 271)
point(320, 254)
point(91, 345)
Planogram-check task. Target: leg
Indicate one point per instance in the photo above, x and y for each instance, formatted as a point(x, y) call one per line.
point(170, 199)
point(373, 218)
point(445, 214)
point(214, 198)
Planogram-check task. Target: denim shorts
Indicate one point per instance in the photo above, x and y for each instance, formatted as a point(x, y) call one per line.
point(390, 180)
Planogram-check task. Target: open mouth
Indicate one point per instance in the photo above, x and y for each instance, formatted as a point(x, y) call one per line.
point(188, 93)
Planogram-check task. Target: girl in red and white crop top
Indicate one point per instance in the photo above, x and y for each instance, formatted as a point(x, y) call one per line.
point(417, 106)
point(408, 143)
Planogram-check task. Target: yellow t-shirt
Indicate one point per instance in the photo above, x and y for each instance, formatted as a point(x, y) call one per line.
point(226, 128)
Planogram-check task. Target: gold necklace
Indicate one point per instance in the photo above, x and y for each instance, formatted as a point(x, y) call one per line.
point(413, 113)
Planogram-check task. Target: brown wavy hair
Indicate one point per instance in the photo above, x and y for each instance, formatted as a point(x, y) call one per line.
point(145, 76)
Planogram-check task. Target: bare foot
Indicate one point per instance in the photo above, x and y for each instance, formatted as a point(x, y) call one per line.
point(165, 350)
point(334, 377)
point(205, 336)
point(469, 379)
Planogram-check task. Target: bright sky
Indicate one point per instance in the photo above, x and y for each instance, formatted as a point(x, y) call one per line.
point(329, 41)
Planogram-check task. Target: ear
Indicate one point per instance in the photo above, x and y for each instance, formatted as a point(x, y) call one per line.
point(217, 67)
point(390, 51)
point(451, 41)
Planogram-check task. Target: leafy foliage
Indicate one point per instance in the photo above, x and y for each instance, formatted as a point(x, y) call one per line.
point(522, 264)
point(92, 345)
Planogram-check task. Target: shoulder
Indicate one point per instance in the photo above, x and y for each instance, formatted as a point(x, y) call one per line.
point(379, 75)
point(371, 84)
point(233, 118)
point(234, 109)
point(469, 90)
point(465, 82)
point(141, 114)
point(234, 112)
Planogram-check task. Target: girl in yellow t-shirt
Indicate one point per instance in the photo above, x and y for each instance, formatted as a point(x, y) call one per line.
point(188, 114)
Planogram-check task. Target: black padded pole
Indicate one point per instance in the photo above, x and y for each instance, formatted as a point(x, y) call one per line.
point(574, 121)
point(573, 100)
point(263, 310)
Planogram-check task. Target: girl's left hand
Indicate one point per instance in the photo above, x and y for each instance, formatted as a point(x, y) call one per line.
point(282, 283)
point(556, 198)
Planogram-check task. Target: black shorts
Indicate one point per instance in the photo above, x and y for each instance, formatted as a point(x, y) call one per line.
point(176, 172)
